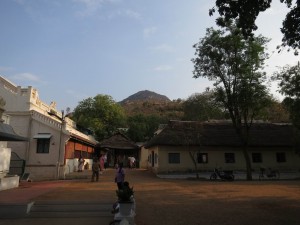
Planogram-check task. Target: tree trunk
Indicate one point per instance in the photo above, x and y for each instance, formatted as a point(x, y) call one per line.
point(248, 162)
point(195, 163)
point(244, 136)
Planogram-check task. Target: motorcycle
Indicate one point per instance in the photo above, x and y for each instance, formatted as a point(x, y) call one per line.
point(222, 174)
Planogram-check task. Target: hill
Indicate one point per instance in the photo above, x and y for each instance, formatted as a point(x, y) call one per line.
point(145, 96)
point(150, 103)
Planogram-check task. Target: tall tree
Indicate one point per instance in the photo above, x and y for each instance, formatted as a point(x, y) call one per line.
point(203, 107)
point(289, 83)
point(234, 64)
point(247, 11)
point(142, 127)
point(274, 112)
point(101, 114)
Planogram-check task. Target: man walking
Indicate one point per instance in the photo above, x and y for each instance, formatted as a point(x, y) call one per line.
point(95, 169)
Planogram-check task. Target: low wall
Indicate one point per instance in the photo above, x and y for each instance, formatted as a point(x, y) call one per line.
point(9, 182)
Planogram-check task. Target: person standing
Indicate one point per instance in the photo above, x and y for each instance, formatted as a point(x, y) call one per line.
point(105, 161)
point(120, 159)
point(80, 164)
point(101, 163)
point(95, 169)
point(120, 176)
point(131, 162)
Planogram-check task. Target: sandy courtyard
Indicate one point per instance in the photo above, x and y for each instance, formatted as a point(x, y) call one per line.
point(182, 202)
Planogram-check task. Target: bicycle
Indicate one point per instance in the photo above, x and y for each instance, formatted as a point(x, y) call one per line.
point(269, 173)
point(222, 174)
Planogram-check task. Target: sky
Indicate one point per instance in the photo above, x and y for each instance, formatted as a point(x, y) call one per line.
point(70, 50)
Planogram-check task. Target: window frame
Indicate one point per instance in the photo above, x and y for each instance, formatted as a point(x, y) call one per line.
point(173, 158)
point(256, 157)
point(229, 157)
point(43, 145)
point(200, 158)
point(280, 157)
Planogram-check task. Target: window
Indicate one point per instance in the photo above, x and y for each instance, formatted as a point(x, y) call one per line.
point(43, 145)
point(280, 156)
point(155, 158)
point(43, 142)
point(256, 157)
point(202, 158)
point(229, 158)
point(174, 158)
point(77, 154)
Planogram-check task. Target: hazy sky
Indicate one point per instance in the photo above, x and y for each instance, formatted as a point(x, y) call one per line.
point(74, 49)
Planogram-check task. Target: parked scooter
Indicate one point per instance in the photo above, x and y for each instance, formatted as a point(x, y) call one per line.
point(223, 175)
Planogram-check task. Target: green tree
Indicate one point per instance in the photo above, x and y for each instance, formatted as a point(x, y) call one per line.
point(274, 112)
point(137, 131)
point(247, 11)
point(142, 127)
point(203, 107)
point(101, 114)
point(234, 64)
point(289, 83)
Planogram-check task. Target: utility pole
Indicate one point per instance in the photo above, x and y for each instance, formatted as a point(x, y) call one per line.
point(60, 142)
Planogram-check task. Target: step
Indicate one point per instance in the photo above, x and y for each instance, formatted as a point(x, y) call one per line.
point(70, 209)
point(70, 214)
point(13, 210)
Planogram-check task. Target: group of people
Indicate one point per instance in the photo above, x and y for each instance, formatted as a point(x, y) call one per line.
point(121, 185)
point(100, 164)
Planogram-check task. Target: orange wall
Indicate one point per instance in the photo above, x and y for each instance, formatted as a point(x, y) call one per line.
point(72, 146)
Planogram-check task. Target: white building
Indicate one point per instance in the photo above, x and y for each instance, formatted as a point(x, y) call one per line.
point(7, 134)
point(54, 144)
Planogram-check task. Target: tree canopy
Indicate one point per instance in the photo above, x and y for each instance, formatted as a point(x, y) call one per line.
point(142, 127)
point(274, 112)
point(100, 114)
point(289, 83)
point(247, 11)
point(203, 107)
point(235, 65)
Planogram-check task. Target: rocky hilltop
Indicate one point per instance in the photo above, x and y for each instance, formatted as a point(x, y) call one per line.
point(150, 103)
point(144, 96)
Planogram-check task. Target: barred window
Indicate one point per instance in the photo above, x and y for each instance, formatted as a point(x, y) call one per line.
point(256, 157)
point(43, 145)
point(229, 158)
point(43, 142)
point(280, 156)
point(174, 158)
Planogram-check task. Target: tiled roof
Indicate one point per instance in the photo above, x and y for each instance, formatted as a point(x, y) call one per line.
point(117, 141)
point(222, 134)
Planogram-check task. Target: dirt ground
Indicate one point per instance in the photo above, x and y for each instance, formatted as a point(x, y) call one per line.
point(210, 203)
point(168, 201)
